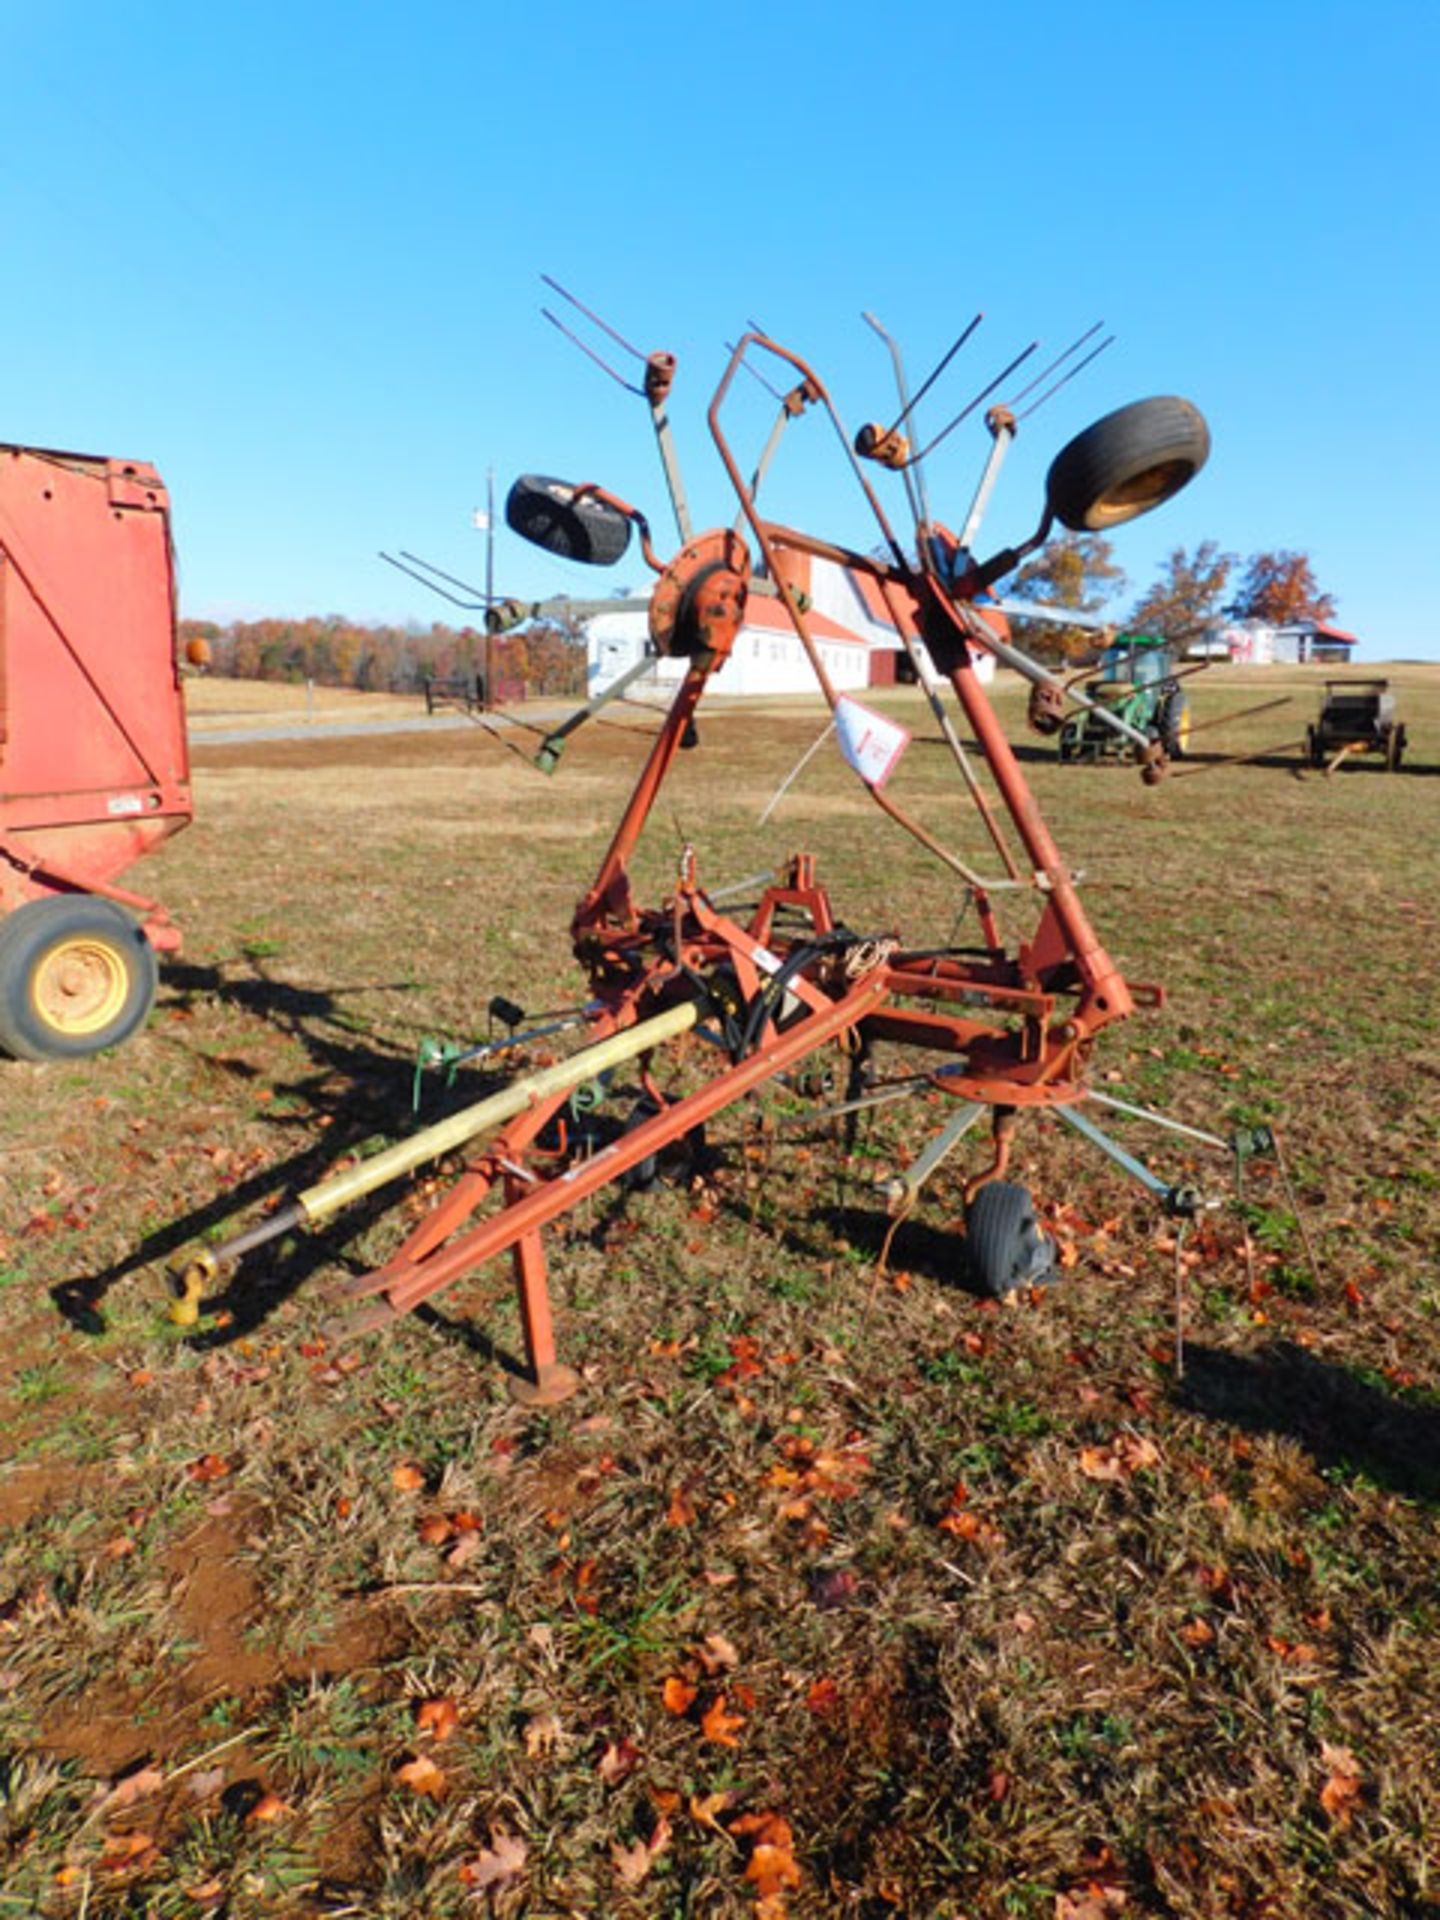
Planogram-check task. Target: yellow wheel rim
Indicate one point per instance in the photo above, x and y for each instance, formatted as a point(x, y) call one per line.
point(80, 986)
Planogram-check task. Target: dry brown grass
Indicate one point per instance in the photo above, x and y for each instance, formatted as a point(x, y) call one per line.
point(1203, 1685)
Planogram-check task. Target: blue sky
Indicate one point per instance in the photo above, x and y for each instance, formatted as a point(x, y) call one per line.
point(291, 255)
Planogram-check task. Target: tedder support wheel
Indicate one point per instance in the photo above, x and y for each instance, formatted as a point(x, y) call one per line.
point(1005, 1246)
point(546, 513)
point(1127, 463)
point(76, 975)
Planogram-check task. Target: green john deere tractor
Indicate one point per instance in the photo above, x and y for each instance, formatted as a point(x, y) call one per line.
point(1136, 679)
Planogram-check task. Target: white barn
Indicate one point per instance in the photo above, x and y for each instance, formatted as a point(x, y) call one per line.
point(856, 641)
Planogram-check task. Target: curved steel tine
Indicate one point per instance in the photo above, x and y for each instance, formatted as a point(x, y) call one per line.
point(453, 578)
point(590, 352)
point(410, 572)
point(966, 411)
point(926, 384)
point(755, 374)
point(1078, 368)
point(1058, 361)
point(604, 325)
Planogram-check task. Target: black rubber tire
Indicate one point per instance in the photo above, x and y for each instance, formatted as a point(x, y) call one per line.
point(1005, 1247)
point(1394, 749)
point(546, 513)
point(113, 969)
point(1174, 711)
point(1126, 463)
point(1313, 747)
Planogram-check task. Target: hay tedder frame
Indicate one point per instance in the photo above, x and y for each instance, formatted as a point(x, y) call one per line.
point(748, 994)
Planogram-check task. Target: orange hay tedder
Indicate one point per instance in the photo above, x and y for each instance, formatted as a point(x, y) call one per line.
point(760, 989)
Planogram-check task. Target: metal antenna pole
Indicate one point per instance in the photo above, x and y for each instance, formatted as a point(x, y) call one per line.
point(487, 699)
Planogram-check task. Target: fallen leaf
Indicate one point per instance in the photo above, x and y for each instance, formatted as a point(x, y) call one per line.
point(125, 1850)
point(502, 1860)
point(542, 1735)
point(439, 1718)
point(634, 1862)
point(833, 1587)
point(1197, 1633)
point(717, 1654)
point(719, 1725)
point(631, 1864)
point(680, 1512)
point(407, 1477)
point(210, 1466)
point(1343, 1786)
point(464, 1550)
point(707, 1807)
point(268, 1807)
point(618, 1762)
point(421, 1775)
point(679, 1696)
point(772, 1867)
point(823, 1696)
point(1094, 1902)
point(207, 1893)
point(133, 1787)
point(435, 1530)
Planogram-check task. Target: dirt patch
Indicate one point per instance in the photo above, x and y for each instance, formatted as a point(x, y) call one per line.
point(28, 1491)
point(219, 1609)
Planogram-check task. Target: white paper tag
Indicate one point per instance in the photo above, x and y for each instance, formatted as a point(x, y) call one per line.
point(124, 803)
point(870, 743)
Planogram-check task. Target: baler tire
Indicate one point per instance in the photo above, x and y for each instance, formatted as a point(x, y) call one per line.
point(546, 513)
point(1005, 1247)
point(1126, 463)
point(77, 975)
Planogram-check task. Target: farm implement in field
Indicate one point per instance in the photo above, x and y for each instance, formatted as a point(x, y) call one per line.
point(94, 771)
point(1356, 716)
point(707, 1001)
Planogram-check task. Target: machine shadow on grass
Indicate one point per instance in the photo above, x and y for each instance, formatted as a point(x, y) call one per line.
point(358, 1085)
point(1342, 1420)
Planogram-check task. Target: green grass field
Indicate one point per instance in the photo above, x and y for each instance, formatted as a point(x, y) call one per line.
point(835, 1590)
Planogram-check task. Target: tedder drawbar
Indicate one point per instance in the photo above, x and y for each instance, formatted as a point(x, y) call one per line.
point(1000, 1029)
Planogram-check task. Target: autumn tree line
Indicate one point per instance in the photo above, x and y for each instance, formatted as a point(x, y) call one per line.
point(333, 651)
point(1194, 592)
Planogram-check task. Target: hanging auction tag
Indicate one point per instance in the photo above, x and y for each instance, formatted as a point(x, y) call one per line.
point(871, 743)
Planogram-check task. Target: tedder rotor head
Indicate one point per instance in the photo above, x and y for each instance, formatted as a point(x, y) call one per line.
point(699, 600)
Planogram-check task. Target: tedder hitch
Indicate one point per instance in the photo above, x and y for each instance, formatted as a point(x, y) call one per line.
point(711, 1004)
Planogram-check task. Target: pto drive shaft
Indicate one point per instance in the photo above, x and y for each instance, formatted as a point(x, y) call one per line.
point(191, 1272)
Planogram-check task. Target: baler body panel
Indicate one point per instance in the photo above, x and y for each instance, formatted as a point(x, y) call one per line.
point(94, 768)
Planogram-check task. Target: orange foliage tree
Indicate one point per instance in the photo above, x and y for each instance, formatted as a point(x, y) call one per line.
point(1280, 588)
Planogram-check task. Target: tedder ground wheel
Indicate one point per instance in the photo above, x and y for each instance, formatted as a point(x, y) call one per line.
point(76, 975)
point(1005, 1247)
point(1129, 461)
point(546, 513)
point(1394, 749)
